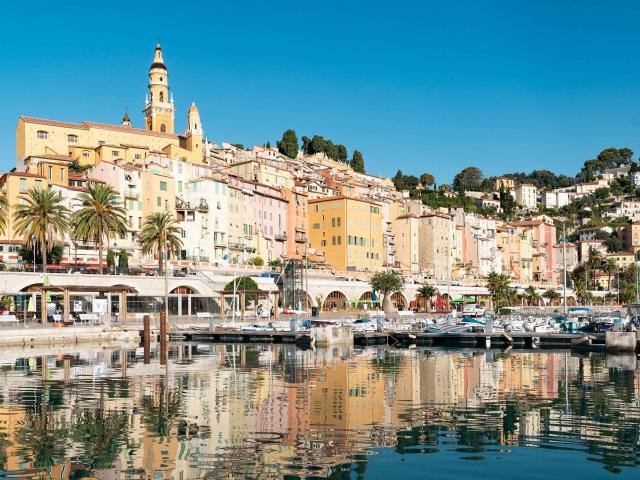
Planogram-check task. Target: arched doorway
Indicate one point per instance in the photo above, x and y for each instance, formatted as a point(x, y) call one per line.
point(367, 299)
point(183, 290)
point(399, 302)
point(335, 301)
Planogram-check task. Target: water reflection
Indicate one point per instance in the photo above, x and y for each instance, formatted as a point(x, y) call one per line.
point(229, 411)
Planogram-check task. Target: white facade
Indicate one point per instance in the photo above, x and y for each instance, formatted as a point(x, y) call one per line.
point(556, 199)
point(526, 196)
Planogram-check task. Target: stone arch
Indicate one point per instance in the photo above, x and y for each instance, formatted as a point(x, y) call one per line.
point(184, 290)
point(336, 300)
point(399, 301)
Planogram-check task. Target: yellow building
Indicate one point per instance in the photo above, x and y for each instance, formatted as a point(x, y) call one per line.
point(14, 185)
point(91, 142)
point(257, 171)
point(622, 259)
point(516, 246)
point(348, 231)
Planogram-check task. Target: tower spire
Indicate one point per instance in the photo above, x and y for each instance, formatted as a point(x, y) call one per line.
point(159, 110)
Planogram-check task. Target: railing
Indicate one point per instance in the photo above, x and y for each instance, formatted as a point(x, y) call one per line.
point(281, 237)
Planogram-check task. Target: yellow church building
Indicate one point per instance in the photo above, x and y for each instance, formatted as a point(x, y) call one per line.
point(90, 142)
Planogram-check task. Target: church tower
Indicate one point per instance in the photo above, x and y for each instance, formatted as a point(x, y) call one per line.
point(159, 110)
point(193, 133)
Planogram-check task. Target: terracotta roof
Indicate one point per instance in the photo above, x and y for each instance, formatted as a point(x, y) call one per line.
point(341, 197)
point(53, 123)
point(24, 174)
point(48, 156)
point(120, 128)
point(105, 126)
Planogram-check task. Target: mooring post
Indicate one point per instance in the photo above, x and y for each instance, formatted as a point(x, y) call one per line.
point(163, 338)
point(147, 339)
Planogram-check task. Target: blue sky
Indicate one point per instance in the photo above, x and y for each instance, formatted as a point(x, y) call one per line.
point(423, 86)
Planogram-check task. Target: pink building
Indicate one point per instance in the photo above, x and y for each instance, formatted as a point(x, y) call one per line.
point(269, 216)
point(544, 241)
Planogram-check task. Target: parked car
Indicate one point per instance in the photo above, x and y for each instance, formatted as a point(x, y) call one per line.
point(473, 310)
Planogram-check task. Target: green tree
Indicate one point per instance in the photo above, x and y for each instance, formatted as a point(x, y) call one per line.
point(398, 180)
point(318, 145)
point(289, 144)
point(77, 167)
point(242, 284)
point(341, 153)
point(531, 295)
point(551, 295)
point(43, 218)
point(123, 262)
point(306, 145)
point(610, 267)
point(111, 260)
point(386, 283)
point(498, 286)
point(469, 178)
point(257, 261)
point(357, 161)
point(100, 215)
point(427, 291)
point(508, 204)
point(427, 179)
point(54, 255)
point(160, 236)
point(3, 214)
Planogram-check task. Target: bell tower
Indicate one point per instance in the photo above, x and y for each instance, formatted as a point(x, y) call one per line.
point(159, 110)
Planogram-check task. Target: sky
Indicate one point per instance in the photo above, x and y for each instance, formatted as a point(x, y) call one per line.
point(422, 86)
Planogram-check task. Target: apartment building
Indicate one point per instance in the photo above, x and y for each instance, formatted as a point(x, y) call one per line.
point(348, 231)
point(436, 233)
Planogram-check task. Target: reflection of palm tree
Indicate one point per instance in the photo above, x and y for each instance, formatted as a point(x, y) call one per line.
point(4, 443)
point(531, 295)
point(42, 439)
point(160, 412)
point(101, 434)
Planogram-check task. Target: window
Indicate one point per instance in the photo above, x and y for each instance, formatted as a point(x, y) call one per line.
point(183, 233)
point(323, 243)
point(162, 96)
point(72, 138)
point(159, 201)
point(62, 174)
point(115, 153)
point(163, 186)
point(50, 176)
point(43, 135)
point(316, 226)
point(137, 156)
point(163, 127)
point(23, 185)
point(179, 187)
point(38, 184)
point(86, 154)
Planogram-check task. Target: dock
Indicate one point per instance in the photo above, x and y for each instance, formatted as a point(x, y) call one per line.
point(575, 341)
point(301, 339)
point(496, 340)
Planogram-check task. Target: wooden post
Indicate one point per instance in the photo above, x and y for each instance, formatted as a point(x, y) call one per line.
point(221, 307)
point(147, 339)
point(67, 370)
point(65, 308)
point(122, 307)
point(163, 338)
point(243, 297)
point(276, 297)
point(43, 307)
point(123, 362)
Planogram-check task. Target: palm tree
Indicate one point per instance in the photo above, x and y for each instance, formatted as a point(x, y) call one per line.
point(100, 215)
point(551, 295)
point(532, 296)
point(498, 286)
point(41, 218)
point(3, 213)
point(427, 291)
point(159, 236)
point(610, 267)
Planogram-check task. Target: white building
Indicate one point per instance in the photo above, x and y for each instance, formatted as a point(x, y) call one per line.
point(526, 196)
point(556, 198)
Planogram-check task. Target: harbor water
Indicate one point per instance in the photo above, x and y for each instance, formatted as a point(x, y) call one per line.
point(277, 412)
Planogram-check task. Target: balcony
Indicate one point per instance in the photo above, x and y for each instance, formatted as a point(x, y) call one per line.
point(132, 196)
point(219, 242)
point(281, 237)
point(301, 238)
point(201, 206)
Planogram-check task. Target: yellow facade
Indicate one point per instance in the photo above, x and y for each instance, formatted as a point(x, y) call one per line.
point(348, 231)
point(13, 186)
point(91, 142)
point(158, 194)
point(255, 171)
